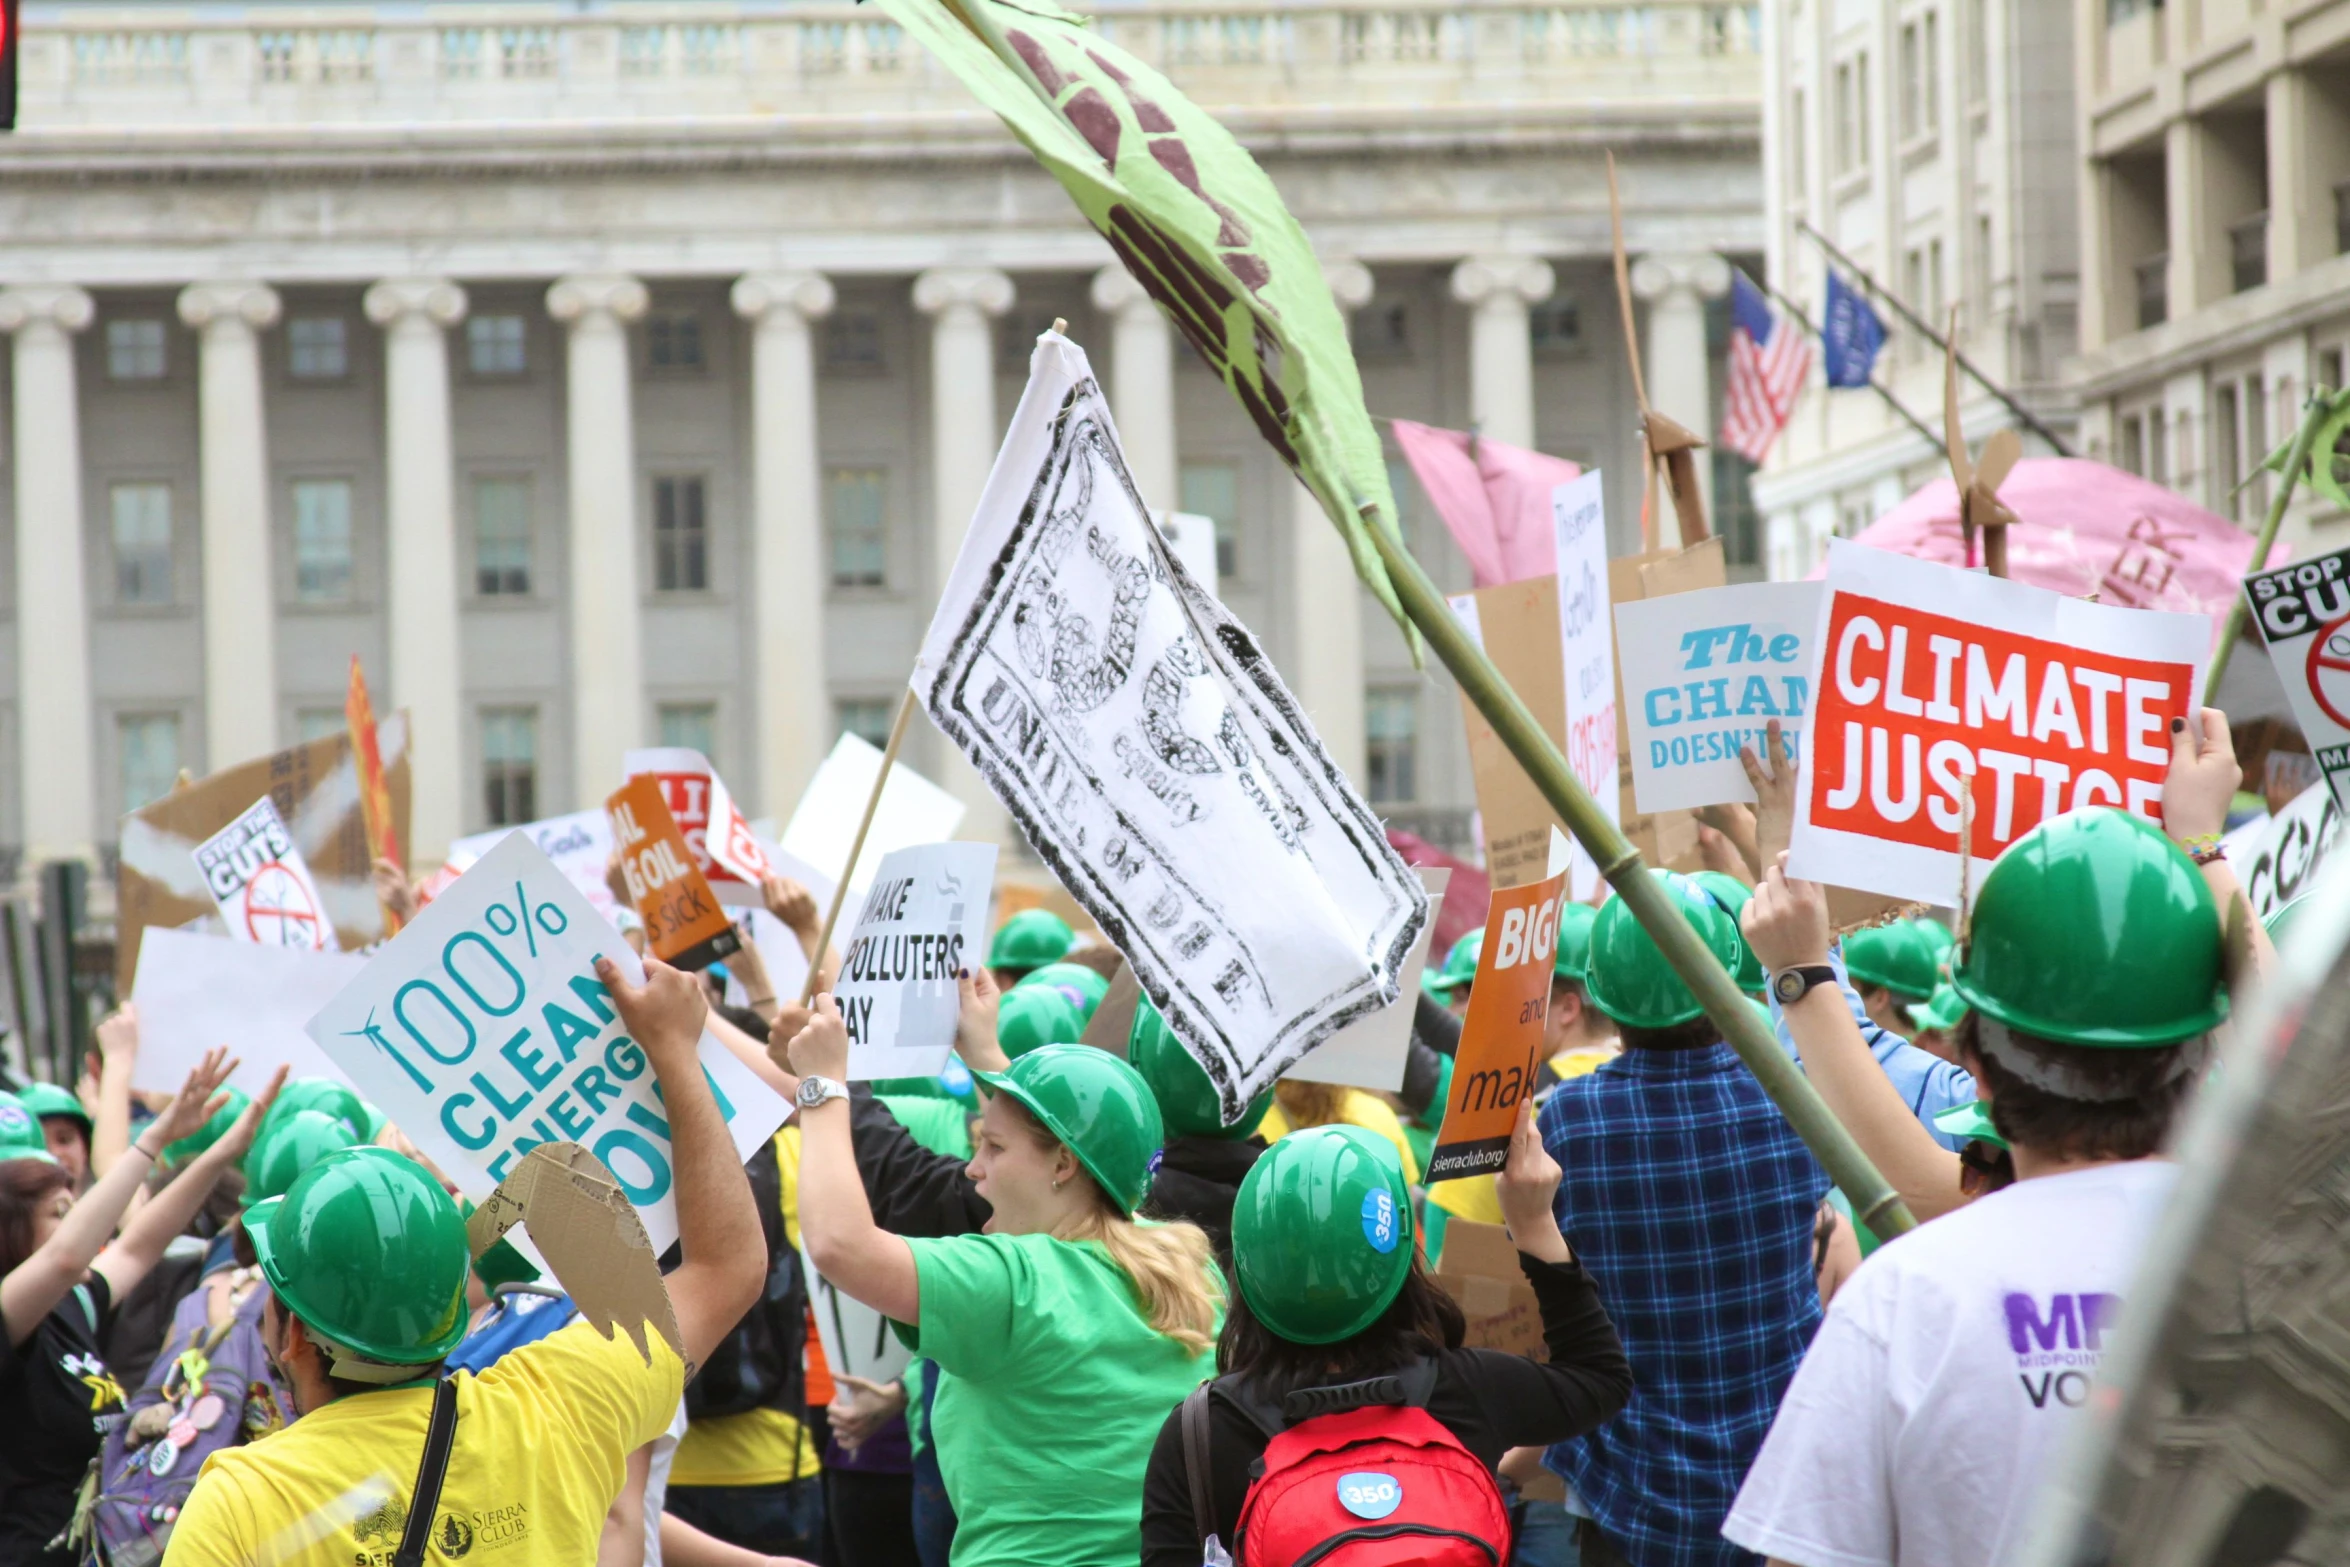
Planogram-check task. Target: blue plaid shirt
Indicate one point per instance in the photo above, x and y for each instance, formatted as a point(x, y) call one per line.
point(1926, 1082)
point(1691, 1202)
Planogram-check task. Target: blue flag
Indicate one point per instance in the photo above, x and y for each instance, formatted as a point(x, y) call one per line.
point(1850, 335)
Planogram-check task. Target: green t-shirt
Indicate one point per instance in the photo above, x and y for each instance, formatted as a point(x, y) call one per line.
point(939, 1125)
point(1051, 1392)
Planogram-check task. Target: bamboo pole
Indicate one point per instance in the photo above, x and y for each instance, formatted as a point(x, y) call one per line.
point(1873, 1200)
point(2314, 413)
point(840, 890)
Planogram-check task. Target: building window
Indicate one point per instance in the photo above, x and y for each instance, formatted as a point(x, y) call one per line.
point(149, 747)
point(1016, 336)
point(2342, 218)
point(317, 348)
point(1212, 489)
point(1852, 114)
point(1556, 327)
point(691, 725)
point(509, 765)
point(1798, 139)
point(2151, 277)
point(316, 723)
point(1391, 740)
point(681, 536)
point(2133, 445)
point(1383, 330)
point(866, 718)
point(496, 345)
point(673, 341)
point(1913, 87)
point(2227, 455)
point(134, 350)
point(853, 519)
point(2120, 11)
point(322, 541)
point(852, 341)
point(2329, 368)
point(501, 535)
point(141, 534)
point(2248, 252)
point(1977, 55)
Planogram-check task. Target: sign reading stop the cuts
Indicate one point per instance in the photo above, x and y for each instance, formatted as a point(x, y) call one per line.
point(1501, 1038)
point(2304, 614)
point(262, 884)
point(1937, 683)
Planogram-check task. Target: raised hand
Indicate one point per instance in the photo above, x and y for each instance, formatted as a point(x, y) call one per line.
point(664, 1015)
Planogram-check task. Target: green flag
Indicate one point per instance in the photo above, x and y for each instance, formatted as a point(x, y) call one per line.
point(1198, 224)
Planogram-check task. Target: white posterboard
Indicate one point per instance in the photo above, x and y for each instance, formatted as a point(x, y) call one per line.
point(2278, 858)
point(1192, 537)
point(262, 884)
point(483, 1031)
point(912, 810)
point(1587, 655)
point(2304, 614)
point(1372, 1052)
point(857, 1339)
point(1705, 672)
point(196, 992)
point(924, 918)
point(580, 844)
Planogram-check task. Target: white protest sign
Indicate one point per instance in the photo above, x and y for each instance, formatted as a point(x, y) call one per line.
point(924, 918)
point(264, 889)
point(196, 992)
point(1372, 1052)
point(1146, 747)
point(2278, 859)
point(1587, 654)
point(1193, 538)
point(483, 1031)
point(1704, 674)
point(580, 845)
point(779, 948)
point(2304, 615)
point(726, 851)
point(858, 1340)
point(912, 810)
point(1930, 676)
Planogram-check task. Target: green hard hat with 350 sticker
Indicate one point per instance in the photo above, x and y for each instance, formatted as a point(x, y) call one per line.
point(1322, 1233)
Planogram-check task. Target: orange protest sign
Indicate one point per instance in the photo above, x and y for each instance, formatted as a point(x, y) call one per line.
point(1501, 1038)
point(683, 923)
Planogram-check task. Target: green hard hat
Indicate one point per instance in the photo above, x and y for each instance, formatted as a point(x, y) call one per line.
point(212, 1131)
point(47, 1099)
point(2095, 929)
point(1898, 956)
point(1095, 1103)
point(1031, 1016)
point(1189, 1105)
point(1082, 986)
point(1322, 1233)
point(1938, 935)
point(21, 1136)
point(1630, 979)
point(1460, 964)
point(1574, 950)
point(323, 1095)
point(286, 1147)
point(368, 1250)
point(2281, 921)
point(1970, 1122)
point(1734, 895)
point(1030, 939)
point(1943, 1010)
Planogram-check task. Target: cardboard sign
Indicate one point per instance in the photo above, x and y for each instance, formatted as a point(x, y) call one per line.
point(591, 1237)
point(1930, 675)
point(924, 919)
point(580, 844)
point(1501, 1037)
point(912, 810)
point(726, 851)
point(2277, 858)
point(483, 1031)
point(1587, 655)
point(1479, 1269)
point(2304, 615)
point(1111, 1027)
point(196, 992)
point(264, 889)
point(1704, 674)
point(1516, 624)
point(316, 790)
point(1372, 1053)
point(683, 923)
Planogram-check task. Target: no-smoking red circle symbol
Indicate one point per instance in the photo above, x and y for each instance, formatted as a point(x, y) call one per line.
point(278, 909)
point(2329, 669)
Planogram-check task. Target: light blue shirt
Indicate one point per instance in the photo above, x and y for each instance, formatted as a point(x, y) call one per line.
point(1928, 1084)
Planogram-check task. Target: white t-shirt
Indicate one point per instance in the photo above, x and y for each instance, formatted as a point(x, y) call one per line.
point(657, 1483)
point(1927, 1408)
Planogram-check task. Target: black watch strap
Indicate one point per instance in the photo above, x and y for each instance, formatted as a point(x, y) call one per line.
point(1793, 984)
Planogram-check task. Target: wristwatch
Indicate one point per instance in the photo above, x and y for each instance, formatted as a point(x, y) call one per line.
point(1789, 985)
point(816, 1090)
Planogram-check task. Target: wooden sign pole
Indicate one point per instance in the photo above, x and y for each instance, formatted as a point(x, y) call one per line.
point(840, 891)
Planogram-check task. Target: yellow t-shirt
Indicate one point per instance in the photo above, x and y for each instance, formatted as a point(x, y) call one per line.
point(1367, 1111)
point(542, 1438)
point(1470, 1197)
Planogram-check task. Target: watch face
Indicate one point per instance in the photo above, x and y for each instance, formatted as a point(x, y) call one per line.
point(1790, 986)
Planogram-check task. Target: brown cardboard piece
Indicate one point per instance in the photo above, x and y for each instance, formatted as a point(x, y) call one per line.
point(1519, 624)
point(1113, 1021)
point(590, 1234)
point(1479, 1270)
point(157, 884)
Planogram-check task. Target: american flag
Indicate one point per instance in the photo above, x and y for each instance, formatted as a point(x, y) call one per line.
point(1769, 359)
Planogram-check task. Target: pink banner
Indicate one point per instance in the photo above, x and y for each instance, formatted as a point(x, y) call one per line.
point(1493, 497)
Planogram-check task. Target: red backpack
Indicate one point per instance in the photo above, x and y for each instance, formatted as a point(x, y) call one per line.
point(1357, 1476)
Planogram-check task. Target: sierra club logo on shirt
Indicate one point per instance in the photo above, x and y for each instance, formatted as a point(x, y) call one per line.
point(2061, 1343)
point(376, 1535)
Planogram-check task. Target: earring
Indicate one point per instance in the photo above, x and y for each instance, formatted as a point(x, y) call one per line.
point(1056, 1183)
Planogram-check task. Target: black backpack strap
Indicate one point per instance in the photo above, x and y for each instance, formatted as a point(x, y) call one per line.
point(1195, 1459)
point(425, 1500)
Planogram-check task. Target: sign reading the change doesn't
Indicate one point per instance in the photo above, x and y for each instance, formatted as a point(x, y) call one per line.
point(483, 1031)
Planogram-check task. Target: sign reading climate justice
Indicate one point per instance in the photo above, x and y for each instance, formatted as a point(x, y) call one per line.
point(2304, 613)
point(483, 1031)
point(924, 919)
point(1931, 676)
point(1704, 675)
point(264, 889)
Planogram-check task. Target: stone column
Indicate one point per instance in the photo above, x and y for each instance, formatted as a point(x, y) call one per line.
point(240, 593)
point(788, 569)
point(964, 433)
point(1498, 291)
point(607, 657)
point(1325, 667)
point(1142, 383)
point(420, 535)
point(55, 768)
point(1680, 375)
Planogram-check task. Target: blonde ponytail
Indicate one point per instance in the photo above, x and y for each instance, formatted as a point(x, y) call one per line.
point(1309, 1104)
point(1176, 1282)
